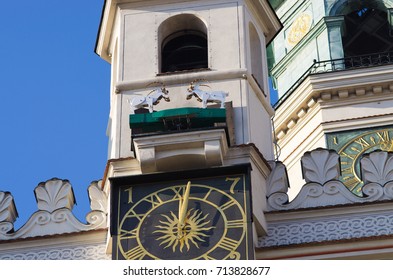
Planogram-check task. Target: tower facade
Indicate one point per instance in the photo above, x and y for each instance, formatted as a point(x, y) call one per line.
point(332, 67)
point(189, 93)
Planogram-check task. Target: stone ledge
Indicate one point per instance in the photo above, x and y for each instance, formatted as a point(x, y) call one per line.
point(179, 151)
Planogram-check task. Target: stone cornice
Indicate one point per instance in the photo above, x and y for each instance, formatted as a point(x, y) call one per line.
point(375, 247)
point(330, 89)
point(186, 77)
point(267, 18)
point(262, 9)
point(75, 246)
point(329, 225)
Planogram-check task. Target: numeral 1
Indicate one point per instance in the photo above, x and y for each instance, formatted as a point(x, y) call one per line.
point(129, 190)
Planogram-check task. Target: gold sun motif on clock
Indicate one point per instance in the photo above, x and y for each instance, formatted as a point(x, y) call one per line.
point(195, 230)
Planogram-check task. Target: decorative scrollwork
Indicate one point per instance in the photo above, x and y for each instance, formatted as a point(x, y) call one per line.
point(6, 227)
point(373, 190)
point(55, 199)
point(276, 201)
point(96, 218)
point(388, 190)
point(43, 218)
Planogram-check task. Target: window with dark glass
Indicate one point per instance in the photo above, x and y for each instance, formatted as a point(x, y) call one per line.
point(184, 50)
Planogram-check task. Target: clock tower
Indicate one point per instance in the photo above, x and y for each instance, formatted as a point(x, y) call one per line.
point(189, 127)
point(332, 66)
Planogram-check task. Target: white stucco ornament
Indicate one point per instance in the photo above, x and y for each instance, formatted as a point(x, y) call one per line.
point(54, 194)
point(377, 167)
point(320, 166)
point(277, 180)
point(55, 200)
point(321, 171)
point(8, 212)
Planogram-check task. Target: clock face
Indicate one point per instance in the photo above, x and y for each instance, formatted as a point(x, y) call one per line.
point(352, 145)
point(216, 223)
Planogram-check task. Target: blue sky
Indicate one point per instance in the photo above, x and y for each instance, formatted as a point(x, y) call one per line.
point(54, 99)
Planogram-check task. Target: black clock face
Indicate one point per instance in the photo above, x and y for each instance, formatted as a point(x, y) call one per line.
point(217, 223)
point(352, 145)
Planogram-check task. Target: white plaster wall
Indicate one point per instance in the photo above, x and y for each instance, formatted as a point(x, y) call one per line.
point(339, 110)
point(293, 147)
point(297, 67)
point(260, 127)
point(141, 46)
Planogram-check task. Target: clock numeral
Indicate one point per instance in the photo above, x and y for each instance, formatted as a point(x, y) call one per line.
point(124, 234)
point(235, 223)
point(177, 192)
point(228, 204)
point(384, 136)
point(348, 156)
point(363, 143)
point(136, 253)
point(133, 214)
point(235, 181)
point(351, 182)
point(129, 190)
point(347, 170)
point(228, 244)
point(207, 194)
point(154, 200)
point(355, 149)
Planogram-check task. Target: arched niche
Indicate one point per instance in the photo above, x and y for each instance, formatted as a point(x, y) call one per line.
point(183, 43)
point(256, 55)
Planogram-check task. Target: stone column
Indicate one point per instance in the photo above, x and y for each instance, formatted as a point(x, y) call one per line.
point(335, 26)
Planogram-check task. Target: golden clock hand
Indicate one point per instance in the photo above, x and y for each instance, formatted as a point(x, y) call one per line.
point(183, 205)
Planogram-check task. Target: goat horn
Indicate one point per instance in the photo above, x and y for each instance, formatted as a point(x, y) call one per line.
point(155, 83)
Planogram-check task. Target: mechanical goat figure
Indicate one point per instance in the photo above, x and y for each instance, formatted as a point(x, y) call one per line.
point(205, 96)
point(152, 98)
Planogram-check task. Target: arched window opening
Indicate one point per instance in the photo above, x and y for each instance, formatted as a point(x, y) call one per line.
point(183, 43)
point(184, 50)
point(256, 55)
point(366, 32)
